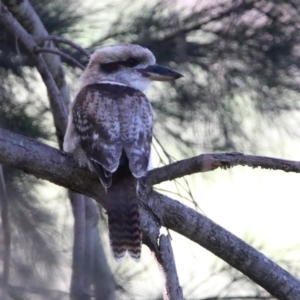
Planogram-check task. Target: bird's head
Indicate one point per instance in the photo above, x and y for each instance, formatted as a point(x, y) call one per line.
point(127, 64)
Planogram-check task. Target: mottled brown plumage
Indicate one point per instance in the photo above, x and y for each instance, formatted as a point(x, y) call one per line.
point(111, 119)
point(110, 130)
point(115, 125)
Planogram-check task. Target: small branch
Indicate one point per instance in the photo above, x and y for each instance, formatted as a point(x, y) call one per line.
point(6, 236)
point(173, 288)
point(61, 54)
point(63, 40)
point(211, 161)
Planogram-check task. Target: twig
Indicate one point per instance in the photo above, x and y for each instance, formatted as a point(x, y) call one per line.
point(177, 183)
point(173, 288)
point(61, 54)
point(169, 157)
point(55, 166)
point(63, 40)
point(6, 236)
point(161, 190)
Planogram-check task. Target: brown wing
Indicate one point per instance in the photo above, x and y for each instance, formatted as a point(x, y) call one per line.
point(112, 119)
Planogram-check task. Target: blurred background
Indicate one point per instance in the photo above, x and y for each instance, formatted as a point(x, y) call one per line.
point(240, 92)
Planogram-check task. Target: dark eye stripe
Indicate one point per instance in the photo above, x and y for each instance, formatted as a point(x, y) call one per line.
point(110, 67)
point(115, 66)
point(131, 62)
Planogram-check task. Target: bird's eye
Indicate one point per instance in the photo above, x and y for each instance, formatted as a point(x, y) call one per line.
point(132, 62)
point(110, 67)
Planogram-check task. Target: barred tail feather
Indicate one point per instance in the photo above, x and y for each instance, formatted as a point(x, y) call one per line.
point(124, 220)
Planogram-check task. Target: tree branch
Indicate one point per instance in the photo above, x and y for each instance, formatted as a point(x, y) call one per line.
point(55, 166)
point(173, 288)
point(62, 40)
point(61, 54)
point(165, 258)
point(225, 245)
point(211, 161)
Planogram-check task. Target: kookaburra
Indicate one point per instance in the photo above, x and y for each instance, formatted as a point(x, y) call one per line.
point(110, 131)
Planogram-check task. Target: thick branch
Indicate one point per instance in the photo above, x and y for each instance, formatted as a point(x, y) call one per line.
point(53, 165)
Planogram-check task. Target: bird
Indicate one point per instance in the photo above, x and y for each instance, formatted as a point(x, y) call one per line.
point(110, 128)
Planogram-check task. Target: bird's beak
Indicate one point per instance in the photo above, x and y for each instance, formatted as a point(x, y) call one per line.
point(159, 73)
